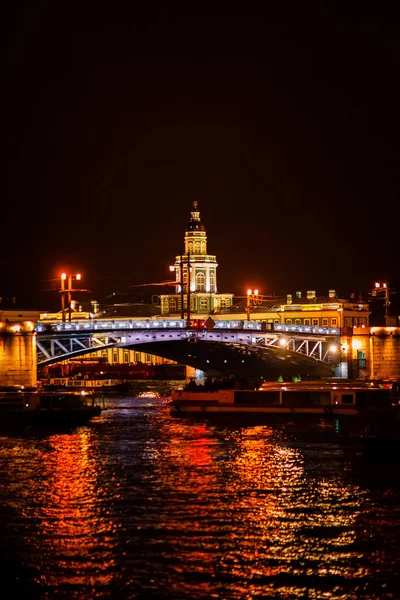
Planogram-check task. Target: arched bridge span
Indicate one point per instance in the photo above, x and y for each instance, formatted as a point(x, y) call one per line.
point(229, 345)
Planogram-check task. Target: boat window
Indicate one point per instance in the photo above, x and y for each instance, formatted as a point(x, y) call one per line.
point(347, 399)
point(7, 402)
point(256, 397)
point(45, 401)
point(374, 398)
point(306, 397)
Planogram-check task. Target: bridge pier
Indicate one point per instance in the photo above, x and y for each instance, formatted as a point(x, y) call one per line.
point(18, 360)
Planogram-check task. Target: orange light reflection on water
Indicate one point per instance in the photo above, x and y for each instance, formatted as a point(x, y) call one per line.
point(271, 517)
point(77, 530)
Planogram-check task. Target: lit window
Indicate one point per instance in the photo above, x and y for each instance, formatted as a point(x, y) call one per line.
point(334, 322)
point(212, 282)
point(200, 282)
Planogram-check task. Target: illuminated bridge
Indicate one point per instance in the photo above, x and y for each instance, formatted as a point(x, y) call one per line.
point(227, 346)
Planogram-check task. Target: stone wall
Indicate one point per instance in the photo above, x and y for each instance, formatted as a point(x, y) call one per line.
point(382, 349)
point(18, 358)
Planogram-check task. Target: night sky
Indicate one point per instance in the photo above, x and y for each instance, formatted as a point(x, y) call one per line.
point(283, 125)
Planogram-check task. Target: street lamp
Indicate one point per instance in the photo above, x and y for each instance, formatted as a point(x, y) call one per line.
point(383, 287)
point(253, 300)
point(180, 284)
point(67, 291)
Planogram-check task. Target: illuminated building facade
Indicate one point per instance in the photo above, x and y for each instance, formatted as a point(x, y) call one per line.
point(303, 309)
point(198, 270)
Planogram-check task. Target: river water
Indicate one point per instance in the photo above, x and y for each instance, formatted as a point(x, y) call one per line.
point(141, 505)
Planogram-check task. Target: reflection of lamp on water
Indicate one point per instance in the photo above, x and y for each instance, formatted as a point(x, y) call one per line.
point(253, 300)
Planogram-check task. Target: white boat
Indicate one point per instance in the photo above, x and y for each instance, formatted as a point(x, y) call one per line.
point(319, 398)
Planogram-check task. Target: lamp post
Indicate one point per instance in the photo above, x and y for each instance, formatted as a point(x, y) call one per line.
point(252, 301)
point(67, 291)
point(340, 316)
point(188, 289)
point(383, 287)
point(62, 292)
point(181, 285)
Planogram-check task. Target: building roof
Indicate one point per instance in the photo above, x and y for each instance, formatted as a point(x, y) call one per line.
point(274, 305)
point(136, 310)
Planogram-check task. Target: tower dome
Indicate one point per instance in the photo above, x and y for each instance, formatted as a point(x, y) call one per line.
point(195, 223)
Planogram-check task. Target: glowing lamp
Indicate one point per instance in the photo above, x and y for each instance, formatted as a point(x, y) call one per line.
point(172, 268)
point(78, 276)
point(249, 292)
point(63, 276)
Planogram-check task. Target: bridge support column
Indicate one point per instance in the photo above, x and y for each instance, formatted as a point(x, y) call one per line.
point(18, 361)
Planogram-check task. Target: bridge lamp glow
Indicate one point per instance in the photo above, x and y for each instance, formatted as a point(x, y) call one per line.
point(356, 344)
point(249, 292)
point(78, 276)
point(63, 276)
point(282, 342)
point(172, 268)
point(256, 292)
point(333, 348)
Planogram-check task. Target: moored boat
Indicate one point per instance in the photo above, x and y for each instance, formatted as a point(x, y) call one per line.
point(87, 385)
point(20, 407)
point(365, 403)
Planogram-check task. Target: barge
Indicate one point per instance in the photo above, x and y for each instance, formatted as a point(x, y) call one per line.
point(21, 407)
point(362, 400)
point(105, 386)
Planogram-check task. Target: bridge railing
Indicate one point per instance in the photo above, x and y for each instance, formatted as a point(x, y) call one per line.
point(99, 325)
point(288, 328)
point(256, 325)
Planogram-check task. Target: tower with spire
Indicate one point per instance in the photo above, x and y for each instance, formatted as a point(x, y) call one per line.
point(204, 296)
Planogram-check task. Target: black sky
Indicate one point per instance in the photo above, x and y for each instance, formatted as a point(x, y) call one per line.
point(283, 125)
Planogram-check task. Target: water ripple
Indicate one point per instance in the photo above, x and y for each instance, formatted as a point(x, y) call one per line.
point(140, 505)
